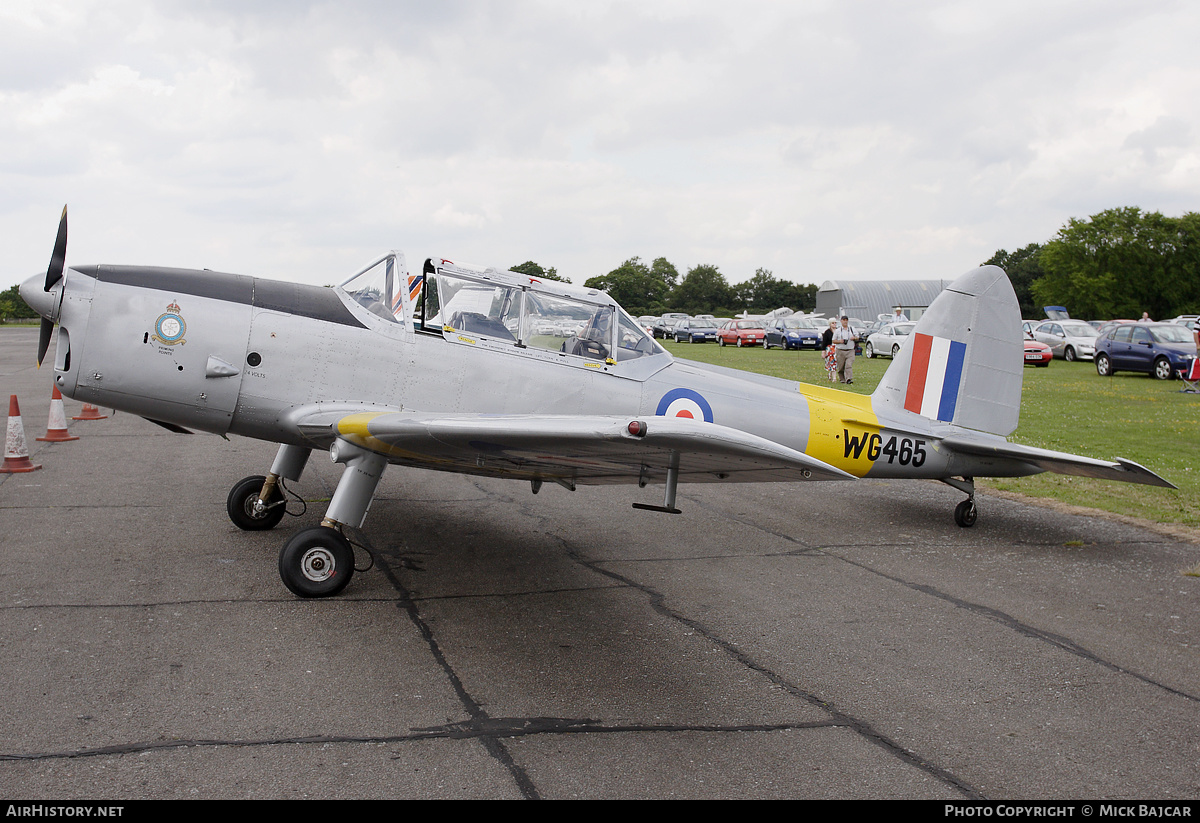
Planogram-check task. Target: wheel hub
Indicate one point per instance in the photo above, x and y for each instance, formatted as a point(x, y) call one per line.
point(318, 564)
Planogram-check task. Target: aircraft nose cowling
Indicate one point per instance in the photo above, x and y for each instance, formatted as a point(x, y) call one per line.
point(33, 291)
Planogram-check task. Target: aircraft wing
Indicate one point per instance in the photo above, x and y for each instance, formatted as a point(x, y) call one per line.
point(1059, 462)
point(590, 450)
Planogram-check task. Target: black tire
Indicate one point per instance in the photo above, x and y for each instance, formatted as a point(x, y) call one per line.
point(895, 350)
point(739, 342)
point(1069, 354)
point(1104, 365)
point(1162, 369)
point(316, 562)
point(869, 351)
point(240, 505)
point(965, 514)
point(721, 342)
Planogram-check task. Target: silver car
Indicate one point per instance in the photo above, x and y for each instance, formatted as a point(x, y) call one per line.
point(888, 340)
point(1068, 339)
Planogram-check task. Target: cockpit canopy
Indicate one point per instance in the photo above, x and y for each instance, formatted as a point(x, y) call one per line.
point(501, 306)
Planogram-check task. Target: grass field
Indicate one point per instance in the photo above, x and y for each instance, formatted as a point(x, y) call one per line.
point(1066, 407)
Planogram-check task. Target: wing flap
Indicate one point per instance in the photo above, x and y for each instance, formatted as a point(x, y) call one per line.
point(579, 449)
point(1125, 471)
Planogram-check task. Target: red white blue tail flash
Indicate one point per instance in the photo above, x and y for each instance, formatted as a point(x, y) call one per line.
point(935, 376)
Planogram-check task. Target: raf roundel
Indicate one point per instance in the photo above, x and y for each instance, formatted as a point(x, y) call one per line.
point(685, 403)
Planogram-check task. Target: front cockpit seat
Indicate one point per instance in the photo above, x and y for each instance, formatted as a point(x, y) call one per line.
point(476, 323)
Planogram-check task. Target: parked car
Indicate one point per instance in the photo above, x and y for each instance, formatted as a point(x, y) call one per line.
point(1037, 353)
point(865, 334)
point(665, 324)
point(888, 340)
point(793, 333)
point(1158, 349)
point(694, 330)
point(1068, 339)
point(741, 333)
point(1108, 326)
point(1192, 323)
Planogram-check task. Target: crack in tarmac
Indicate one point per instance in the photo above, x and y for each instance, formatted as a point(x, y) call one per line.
point(491, 743)
point(839, 717)
point(491, 731)
point(995, 615)
point(480, 728)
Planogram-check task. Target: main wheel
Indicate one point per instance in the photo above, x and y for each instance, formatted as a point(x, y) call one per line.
point(895, 350)
point(1162, 369)
point(965, 514)
point(721, 342)
point(869, 351)
point(1069, 354)
point(316, 562)
point(242, 505)
point(1103, 365)
point(739, 342)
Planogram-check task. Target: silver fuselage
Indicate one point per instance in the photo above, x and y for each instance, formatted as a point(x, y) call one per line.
point(232, 354)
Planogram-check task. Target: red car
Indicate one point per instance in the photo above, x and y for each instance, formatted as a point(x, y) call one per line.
point(741, 333)
point(1037, 353)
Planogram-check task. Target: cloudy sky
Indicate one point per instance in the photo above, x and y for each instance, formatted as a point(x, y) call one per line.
point(821, 140)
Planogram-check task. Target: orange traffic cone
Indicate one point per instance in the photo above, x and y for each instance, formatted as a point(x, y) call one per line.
point(90, 412)
point(16, 455)
point(56, 427)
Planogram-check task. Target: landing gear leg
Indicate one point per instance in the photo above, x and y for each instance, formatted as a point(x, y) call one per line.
point(255, 503)
point(668, 505)
point(965, 513)
point(319, 562)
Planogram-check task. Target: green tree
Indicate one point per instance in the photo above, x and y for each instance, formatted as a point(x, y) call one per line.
point(804, 297)
point(703, 290)
point(764, 292)
point(663, 270)
point(12, 307)
point(1184, 281)
point(1121, 262)
point(1023, 266)
point(640, 289)
point(534, 270)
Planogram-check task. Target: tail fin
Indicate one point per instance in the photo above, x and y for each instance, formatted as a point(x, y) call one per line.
point(963, 363)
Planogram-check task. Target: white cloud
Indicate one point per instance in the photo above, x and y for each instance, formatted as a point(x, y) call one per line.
point(816, 139)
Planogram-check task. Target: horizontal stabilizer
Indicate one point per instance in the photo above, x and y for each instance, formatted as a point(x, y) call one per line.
point(1125, 471)
point(587, 450)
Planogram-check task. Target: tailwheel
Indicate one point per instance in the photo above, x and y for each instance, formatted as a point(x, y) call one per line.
point(248, 512)
point(966, 513)
point(316, 562)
